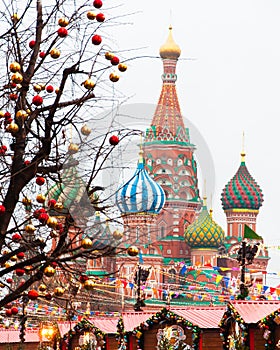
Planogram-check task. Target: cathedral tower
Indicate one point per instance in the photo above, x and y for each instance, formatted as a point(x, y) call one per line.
point(169, 154)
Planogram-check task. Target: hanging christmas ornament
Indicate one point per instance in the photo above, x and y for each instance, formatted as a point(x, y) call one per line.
point(83, 278)
point(17, 78)
point(29, 228)
point(14, 310)
point(100, 17)
point(33, 294)
point(42, 287)
point(85, 130)
point(117, 234)
point(21, 114)
point(20, 255)
point(73, 148)
point(96, 39)
point(62, 32)
point(40, 180)
point(37, 87)
point(122, 67)
point(97, 4)
point(89, 84)
point(43, 218)
point(42, 54)
point(51, 203)
point(115, 61)
point(13, 97)
point(87, 243)
point(114, 77)
point(40, 198)
point(49, 89)
point(114, 140)
point(109, 56)
point(49, 271)
point(16, 237)
point(55, 53)
point(37, 100)
point(89, 284)
point(32, 44)
point(15, 67)
point(13, 128)
point(2, 209)
point(63, 22)
point(132, 251)
point(19, 272)
point(91, 15)
point(58, 291)
point(52, 222)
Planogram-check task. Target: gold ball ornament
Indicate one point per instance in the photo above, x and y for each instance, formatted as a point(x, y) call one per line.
point(26, 201)
point(109, 56)
point(15, 67)
point(58, 291)
point(21, 114)
point(40, 198)
point(132, 251)
point(89, 84)
point(49, 271)
point(91, 15)
point(55, 53)
point(63, 22)
point(15, 17)
point(2, 114)
point(37, 87)
point(85, 130)
point(13, 128)
point(122, 67)
point(58, 206)
point(52, 222)
point(13, 258)
point(54, 234)
point(114, 77)
point(30, 228)
point(86, 243)
point(42, 287)
point(17, 78)
point(117, 234)
point(89, 284)
point(73, 148)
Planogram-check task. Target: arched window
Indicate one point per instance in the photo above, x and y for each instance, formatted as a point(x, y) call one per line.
point(172, 276)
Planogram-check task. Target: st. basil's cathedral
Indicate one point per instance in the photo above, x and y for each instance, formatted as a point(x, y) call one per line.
point(162, 210)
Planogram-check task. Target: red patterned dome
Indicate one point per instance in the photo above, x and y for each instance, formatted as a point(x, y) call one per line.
point(242, 191)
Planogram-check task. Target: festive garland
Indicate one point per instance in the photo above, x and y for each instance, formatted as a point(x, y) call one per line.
point(168, 315)
point(268, 324)
point(122, 336)
point(229, 318)
point(84, 326)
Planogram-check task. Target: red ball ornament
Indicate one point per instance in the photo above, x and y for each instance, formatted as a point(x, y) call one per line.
point(33, 294)
point(40, 180)
point(20, 255)
point(14, 310)
point(19, 272)
point(51, 203)
point(62, 32)
point(100, 17)
point(43, 218)
point(115, 61)
point(16, 237)
point(9, 312)
point(97, 4)
point(83, 278)
point(96, 39)
point(54, 264)
point(4, 148)
point(9, 280)
point(2, 209)
point(32, 43)
point(48, 296)
point(50, 88)
point(13, 97)
point(7, 115)
point(114, 140)
point(37, 100)
point(42, 54)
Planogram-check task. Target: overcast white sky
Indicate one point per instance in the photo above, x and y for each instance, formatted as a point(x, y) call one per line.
point(228, 82)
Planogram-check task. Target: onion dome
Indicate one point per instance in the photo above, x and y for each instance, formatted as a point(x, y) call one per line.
point(204, 232)
point(141, 193)
point(170, 50)
point(70, 191)
point(242, 191)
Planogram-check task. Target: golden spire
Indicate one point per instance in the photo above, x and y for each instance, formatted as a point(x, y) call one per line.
point(211, 206)
point(205, 195)
point(141, 152)
point(170, 49)
point(243, 154)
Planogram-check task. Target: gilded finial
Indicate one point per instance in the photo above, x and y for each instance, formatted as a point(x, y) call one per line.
point(205, 195)
point(170, 50)
point(141, 152)
point(243, 154)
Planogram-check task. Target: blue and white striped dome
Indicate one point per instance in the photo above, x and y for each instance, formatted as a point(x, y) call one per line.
point(141, 193)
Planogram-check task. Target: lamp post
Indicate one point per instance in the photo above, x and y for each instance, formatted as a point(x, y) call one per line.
point(141, 276)
point(245, 256)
